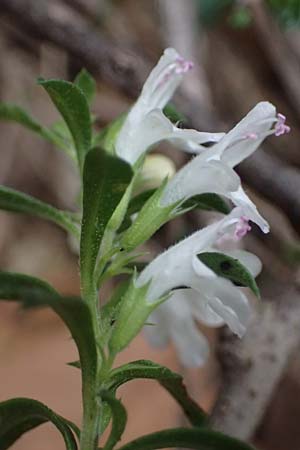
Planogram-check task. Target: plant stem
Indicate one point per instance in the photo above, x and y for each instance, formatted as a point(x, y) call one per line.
point(90, 426)
point(91, 403)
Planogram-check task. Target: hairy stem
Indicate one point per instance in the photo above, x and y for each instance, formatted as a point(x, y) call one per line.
point(91, 404)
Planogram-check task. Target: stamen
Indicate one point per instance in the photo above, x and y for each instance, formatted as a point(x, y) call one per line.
point(183, 66)
point(242, 228)
point(281, 127)
point(179, 66)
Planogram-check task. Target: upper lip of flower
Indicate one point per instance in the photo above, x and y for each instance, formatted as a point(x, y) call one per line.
point(146, 114)
point(176, 265)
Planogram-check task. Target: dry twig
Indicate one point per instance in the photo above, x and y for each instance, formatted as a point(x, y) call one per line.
point(254, 365)
point(114, 64)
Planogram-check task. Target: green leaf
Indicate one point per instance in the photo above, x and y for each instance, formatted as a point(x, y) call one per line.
point(75, 364)
point(19, 415)
point(18, 202)
point(207, 202)
point(132, 314)
point(287, 12)
point(173, 114)
point(137, 202)
point(87, 84)
point(74, 312)
point(227, 267)
point(73, 106)
point(171, 381)
point(118, 422)
point(105, 180)
point(240, 18)
point(14, 113)
point(106, 138)
point(212, 11)
point(110, 310)
point(151, 217)
point(196, 438)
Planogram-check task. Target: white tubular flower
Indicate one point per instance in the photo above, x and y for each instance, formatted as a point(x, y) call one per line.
point(175, 319)
point(222, 301)
point(146, 125)
point(212, 170)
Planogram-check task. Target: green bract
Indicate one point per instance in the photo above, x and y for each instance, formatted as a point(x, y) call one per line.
point(151, 217)
point(133, 312)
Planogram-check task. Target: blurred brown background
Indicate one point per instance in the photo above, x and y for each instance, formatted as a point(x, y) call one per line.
point(256, 382)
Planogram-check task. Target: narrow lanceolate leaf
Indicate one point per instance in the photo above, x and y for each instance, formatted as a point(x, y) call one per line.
point(14, 113)
point(171, 381)
point(227, 267)
point(18, 202)
point(87, 84)
point(73, 106)
point(19, 415)
point(73, 311)
point(207, 202)
point(199, 439)
point(105, 179)
point(119, 419)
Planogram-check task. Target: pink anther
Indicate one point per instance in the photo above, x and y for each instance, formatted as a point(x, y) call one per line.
point(242, 228)
point(281, 127)
point(182, 65)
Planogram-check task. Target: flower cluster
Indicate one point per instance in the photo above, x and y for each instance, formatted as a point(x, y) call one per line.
point(195, 291)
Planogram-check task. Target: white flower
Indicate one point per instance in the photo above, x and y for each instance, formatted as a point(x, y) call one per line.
point(222, 301)
point(146, 125)
point(206, 297)
point(174, 321)
point(212, 170)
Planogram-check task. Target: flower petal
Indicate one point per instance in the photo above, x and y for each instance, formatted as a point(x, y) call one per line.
point(164, 79)
point(241, 199)
point(160, 84)
point(157, 332)
point(190, 343)
point(134, 140)
point(199, 306)
point(198, 177)
point(248, 134)
point(191, 140)
point(227, 301)
point(174, 320)
point(175, 267)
